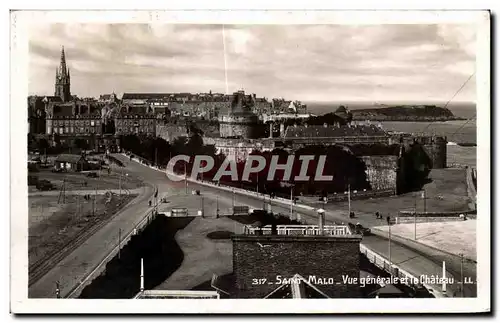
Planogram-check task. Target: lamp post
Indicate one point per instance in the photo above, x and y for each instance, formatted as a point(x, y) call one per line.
point(389, 224)
point(462, 274)
point(185, 178)
point(58, 291)
point(217, 205)
point(349, 197)
point(425, 198)
point(415, 219)
point(202, 207)
point(233, 199)
point(119, 242)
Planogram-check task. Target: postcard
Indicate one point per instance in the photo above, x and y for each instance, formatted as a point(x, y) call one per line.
point(250, 162)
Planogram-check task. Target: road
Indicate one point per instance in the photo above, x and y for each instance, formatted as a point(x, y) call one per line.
point(416, 261)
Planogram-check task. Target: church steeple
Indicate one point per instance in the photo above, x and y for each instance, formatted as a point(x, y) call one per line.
point(62, 87)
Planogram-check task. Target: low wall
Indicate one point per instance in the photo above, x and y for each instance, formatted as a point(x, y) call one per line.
point(400, 220)
point(357, 195)
point(434, 214)
point(471, 188)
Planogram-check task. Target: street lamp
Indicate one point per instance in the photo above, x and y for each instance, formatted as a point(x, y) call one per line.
point(389, 225)
point(217, 204)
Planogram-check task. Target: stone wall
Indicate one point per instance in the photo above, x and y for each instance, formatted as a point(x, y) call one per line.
point(471, 187)
point(238, 149)
point(297, 143)
point(258, 257)
point(170, 131)
point(434, 146)
point(247, 127)
point(382, 172)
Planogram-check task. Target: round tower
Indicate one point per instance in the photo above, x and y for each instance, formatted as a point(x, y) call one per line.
point(239, 121)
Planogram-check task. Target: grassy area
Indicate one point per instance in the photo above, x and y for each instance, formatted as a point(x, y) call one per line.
point(447, 192)
point(453, 237)
point(80, 181)
point(52, 226)
point(203, 256)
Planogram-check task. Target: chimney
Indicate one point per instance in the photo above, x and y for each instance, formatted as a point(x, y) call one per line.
point(142, 274)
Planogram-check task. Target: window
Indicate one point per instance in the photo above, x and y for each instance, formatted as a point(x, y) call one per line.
point(92, 130)
point(81, 129)
point(72, 129)
point(87, 130)
point(92, 123)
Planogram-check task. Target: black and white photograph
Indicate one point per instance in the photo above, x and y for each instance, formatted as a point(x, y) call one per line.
point(248, 158)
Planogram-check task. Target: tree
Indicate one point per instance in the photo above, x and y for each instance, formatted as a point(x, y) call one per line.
point(81, 144)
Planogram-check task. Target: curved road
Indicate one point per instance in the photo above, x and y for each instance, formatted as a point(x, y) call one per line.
point(415, 260)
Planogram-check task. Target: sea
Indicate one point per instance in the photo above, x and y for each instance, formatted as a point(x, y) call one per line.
point(456, 131)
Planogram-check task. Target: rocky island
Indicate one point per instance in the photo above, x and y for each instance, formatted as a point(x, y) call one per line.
point(405, 113)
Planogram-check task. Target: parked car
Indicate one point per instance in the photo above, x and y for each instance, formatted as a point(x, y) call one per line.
point(92, 174)
point(44, 185)
point(362, 230)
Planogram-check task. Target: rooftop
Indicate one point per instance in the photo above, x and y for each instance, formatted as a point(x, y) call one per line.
point(67, 158)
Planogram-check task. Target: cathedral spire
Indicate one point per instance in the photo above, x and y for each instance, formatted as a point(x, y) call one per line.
point(63, 62)
point(62, 86)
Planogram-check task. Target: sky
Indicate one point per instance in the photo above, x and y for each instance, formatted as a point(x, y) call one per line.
point(328, 63)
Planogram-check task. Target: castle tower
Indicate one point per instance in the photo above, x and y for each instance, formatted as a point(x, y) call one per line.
point(62, 87)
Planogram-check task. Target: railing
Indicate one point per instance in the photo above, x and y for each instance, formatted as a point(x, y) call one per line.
point(190, 294)
point(297, 230)
point(396, 271)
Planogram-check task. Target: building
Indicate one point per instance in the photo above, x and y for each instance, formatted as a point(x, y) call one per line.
point(138, 120)
point(298, 261)
point(66, 122)
point(108, 98)
point(36, 115)
point(62, 84)
point(70, 162)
